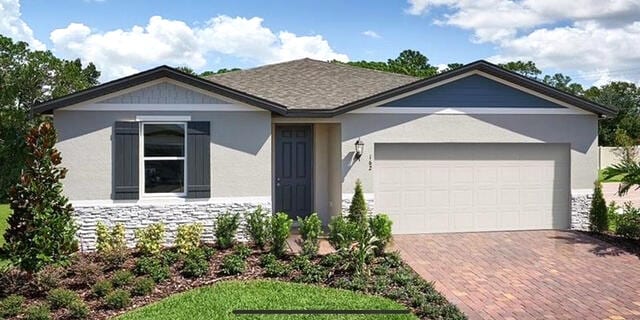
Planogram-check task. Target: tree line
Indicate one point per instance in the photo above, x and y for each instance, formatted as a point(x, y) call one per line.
point(29, 77)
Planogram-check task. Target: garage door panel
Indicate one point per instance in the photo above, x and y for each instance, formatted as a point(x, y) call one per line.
point(472, 187)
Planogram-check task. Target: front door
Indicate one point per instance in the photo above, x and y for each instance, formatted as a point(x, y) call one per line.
point(294, 170)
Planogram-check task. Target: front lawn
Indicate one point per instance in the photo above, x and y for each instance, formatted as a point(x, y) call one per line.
point(218, 302)
point(4, 215)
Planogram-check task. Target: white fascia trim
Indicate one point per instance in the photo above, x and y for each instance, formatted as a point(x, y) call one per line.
point(266, 201)
point(348, 196)
point(163, 118)
point(160, 107)
point(375, 107)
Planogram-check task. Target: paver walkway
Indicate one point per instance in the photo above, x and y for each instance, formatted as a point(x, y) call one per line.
point(528, 274)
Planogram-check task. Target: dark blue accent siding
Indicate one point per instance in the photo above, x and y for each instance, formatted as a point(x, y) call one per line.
point(473, 92)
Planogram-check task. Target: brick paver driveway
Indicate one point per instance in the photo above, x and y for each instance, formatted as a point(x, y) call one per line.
point(528, 274)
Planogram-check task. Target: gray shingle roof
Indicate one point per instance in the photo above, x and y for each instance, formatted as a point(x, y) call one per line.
point(311, 84)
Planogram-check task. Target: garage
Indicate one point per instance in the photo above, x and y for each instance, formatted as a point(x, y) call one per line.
point(461, 187)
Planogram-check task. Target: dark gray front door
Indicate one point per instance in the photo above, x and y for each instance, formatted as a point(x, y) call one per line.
point(294, 170)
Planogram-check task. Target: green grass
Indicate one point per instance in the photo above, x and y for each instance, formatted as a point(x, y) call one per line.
point(613, 179)
point(218, 302)
point(4, 214)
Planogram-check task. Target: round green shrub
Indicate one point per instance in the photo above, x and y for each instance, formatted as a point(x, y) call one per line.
point(277, 269)
point(122, 278)
point(153, 267)
point(143, 286)
point(78, 310)
point(101, 288)
point(11, 306)
point(195, 264)
point(232, 265)
point(61, 298)
point(38, 312)
point(267, 259)
point(242, 250)
point(117, 299)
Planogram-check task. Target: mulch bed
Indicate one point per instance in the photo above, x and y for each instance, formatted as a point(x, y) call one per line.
point(178, 283)
point(628, 245)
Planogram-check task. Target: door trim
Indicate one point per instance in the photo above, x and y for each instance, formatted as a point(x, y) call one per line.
point(274, 145)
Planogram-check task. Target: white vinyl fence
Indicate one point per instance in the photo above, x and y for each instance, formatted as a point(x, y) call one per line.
point(612, 155)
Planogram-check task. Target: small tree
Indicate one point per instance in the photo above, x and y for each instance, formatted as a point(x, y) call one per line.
point(41, 229)
point(598, 218)
point(358, 207)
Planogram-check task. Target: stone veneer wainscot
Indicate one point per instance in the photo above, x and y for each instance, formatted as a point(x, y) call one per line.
point(139, 215)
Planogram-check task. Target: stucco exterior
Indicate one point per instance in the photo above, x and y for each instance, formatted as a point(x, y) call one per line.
point(580, 131)
point(240, 151)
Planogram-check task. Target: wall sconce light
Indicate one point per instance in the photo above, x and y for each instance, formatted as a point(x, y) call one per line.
point(359, 149)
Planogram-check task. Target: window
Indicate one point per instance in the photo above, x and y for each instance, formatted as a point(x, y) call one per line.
point(163, 159)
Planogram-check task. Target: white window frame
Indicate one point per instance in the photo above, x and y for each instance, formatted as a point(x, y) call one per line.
point(142, 178)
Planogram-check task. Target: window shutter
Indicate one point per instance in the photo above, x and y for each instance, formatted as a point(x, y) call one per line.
point(198, 160)
point(126, 161)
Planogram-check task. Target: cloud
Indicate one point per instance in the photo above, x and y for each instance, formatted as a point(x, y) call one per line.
point(163, 41)
point(371, 34)
point(13, 26)
point(581, 35)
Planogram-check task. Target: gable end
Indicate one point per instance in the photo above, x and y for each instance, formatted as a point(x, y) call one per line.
point(163, 93)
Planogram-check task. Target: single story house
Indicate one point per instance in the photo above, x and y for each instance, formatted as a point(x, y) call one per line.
point(477, 148)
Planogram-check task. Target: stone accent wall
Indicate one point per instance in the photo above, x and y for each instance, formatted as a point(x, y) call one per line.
point(135, 216)
point(580, 206)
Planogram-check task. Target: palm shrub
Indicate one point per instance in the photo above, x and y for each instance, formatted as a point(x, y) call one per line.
point(310, 229)
point(150, 239)
point(41, 228)
point(380, 226)
point(188, 237)
point(341, 232)
point(629, 172)
point(257, 227)
point(363, 248)
point(280, 227)
point(225, 229)
point(598, 217)
point(358, 206)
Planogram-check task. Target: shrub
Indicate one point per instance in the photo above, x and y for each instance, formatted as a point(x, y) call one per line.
point(310, 230)
point(78, 310)
point(143, 286)
point(38, 312)
point(122, 278)
point(152, 267)
point(331, 260)
point(170, 257)
point(280, 227)
point(61, 298)
point(598, 212)
point(13, 280)
point(362, 251)
point(402, 277)
point(392, 260)
point(267, 259)
point(41, 229)
point(188, 237)
point(311, 273)
point(195, 264)
point(612, 216)
point(101, 288)
point(150, 239)
point(358, 207)
point(300, 262)
point(242, 251)
point(48, 278)
point(225, 229)
point(257, 227)
point(380, 225)
point(110, 240)
point(629, 222)
point(11, 306)
point(118, 299)
point(277, 269)
point(232, 264)
point(341, 232)
point(86, 273)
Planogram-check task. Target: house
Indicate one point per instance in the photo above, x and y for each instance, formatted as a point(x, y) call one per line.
point(477, 148)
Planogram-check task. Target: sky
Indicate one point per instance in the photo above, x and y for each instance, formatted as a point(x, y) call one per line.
point(593, 41)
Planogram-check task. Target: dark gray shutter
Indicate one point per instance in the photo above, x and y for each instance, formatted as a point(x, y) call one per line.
point(126, 160)
point(198, 166)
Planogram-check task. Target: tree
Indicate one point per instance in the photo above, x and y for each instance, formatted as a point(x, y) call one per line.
point(452, 66)
point(41, 229)
point(358, 208)
point(525, 68)
point(625, 98)
point(186, 70)
point(409, 62)
point(598, 217)
point(28, 78)
point(562, 82)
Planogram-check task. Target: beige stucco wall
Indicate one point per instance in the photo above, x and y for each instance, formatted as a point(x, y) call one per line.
point(240, 151)
point(613, 155)
point(578, 130)
point(327, 184)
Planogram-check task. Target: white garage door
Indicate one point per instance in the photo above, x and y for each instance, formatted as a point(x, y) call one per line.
point(428, 188)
